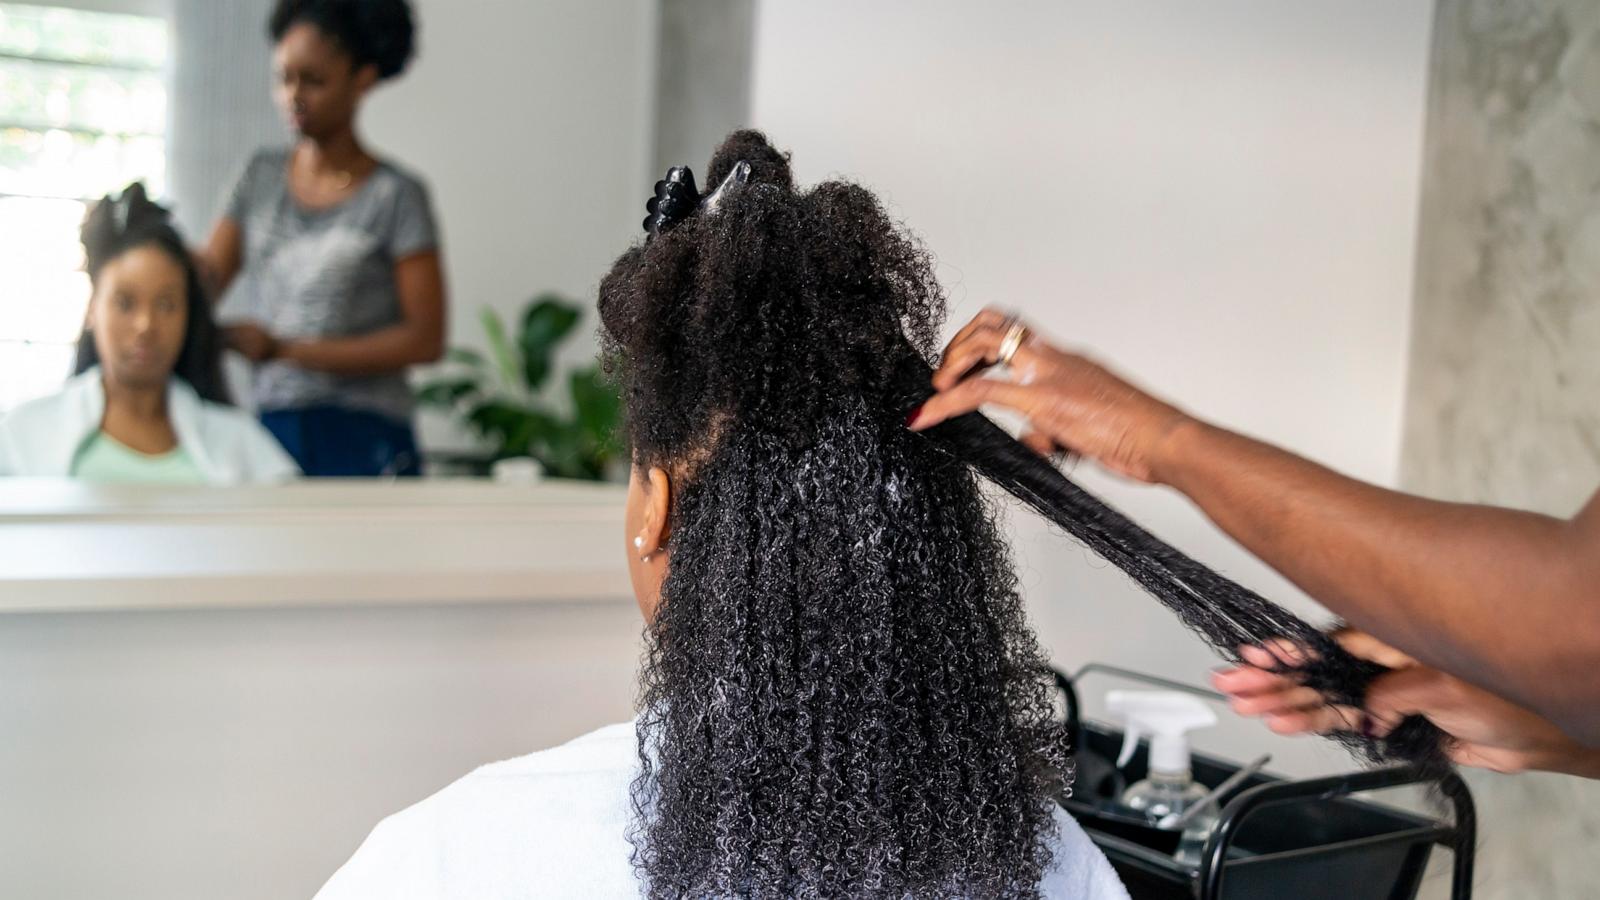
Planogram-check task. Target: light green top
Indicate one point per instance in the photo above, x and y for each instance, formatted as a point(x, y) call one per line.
point(105, 459)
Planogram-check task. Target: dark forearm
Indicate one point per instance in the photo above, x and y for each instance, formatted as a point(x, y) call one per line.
point(1585, 763)
point(1508, 600)
point(391, 349)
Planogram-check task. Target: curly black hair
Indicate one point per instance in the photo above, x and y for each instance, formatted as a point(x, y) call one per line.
point(840, 694)
point(117, 224)
point(380, 33)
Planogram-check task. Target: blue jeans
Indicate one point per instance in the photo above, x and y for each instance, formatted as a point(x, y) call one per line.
point(329, 441)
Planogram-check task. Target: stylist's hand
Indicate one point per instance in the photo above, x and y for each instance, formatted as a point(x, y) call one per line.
point(1071, 403)
point(1489, 732)
point(252, 341)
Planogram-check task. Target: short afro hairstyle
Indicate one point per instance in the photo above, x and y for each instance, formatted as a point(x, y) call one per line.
point(381, 33)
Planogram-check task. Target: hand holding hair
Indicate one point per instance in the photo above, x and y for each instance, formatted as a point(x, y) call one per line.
point(252, 341)
point(1484, 730)
point(1071, 402)
point(1429, 577)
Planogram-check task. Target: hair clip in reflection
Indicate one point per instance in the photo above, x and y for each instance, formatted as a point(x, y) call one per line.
point(676, 197)
point(122, 205)
point(119, 213)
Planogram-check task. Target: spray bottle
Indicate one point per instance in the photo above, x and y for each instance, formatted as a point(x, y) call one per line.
point(1170, 789)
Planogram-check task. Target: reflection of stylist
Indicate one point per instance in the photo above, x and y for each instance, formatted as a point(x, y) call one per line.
point(1509, 601)
point(332, 253)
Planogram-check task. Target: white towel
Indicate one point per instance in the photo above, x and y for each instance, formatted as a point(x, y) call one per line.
point(554, 824)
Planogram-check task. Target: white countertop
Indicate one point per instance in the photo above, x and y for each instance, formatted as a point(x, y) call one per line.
point(66, 545)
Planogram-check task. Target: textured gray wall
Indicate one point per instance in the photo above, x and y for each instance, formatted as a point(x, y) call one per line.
point(1503, 402)
point(703, 69)
point(1504, 369)
point(221, 109)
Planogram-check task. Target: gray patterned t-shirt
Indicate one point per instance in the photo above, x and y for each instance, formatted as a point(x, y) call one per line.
point(324, 273)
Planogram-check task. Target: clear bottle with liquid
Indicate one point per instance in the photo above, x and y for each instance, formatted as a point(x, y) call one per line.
point(1163, 794)
point(1170, 790)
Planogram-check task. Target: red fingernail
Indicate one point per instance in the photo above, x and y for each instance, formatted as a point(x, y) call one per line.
point(911, 417)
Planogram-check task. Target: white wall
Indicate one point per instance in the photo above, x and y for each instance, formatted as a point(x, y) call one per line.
point(533, 125)
point(218, 692)
point(245, 753)
point(1218, 198)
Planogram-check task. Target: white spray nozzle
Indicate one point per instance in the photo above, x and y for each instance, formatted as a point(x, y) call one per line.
point(1166, 716)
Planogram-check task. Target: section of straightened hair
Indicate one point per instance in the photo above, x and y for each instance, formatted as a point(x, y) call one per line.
point(1222, 612)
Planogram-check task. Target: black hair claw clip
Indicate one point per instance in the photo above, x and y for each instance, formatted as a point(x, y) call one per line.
point(676, 197)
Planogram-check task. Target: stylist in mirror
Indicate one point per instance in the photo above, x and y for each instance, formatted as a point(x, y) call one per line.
point(330, 254)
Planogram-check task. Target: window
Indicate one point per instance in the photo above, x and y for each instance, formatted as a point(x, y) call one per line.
point(83, 109)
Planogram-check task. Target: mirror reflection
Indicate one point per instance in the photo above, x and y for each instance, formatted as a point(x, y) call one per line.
point(233, 244)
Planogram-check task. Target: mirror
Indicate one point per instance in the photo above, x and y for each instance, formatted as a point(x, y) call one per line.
point(399, 250)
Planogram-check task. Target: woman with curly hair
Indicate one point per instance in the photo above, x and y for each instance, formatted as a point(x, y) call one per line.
point(147, 403)
point(329, 253)
point(840, 695)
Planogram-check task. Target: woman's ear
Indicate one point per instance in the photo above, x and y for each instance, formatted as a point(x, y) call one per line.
point(657, 512)
point(366, 78)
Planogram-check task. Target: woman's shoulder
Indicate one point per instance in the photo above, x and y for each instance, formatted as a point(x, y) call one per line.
point(401, 183)
point(222, 419)
point(270, 161)
point(30, 412)
point(75, 400)
point(561, 776)
point(401, 173)
point(1079, 870)
point(558, 817)
point(239, 446)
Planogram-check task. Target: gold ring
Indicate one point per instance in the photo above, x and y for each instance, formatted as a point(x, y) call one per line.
point(1016, 333)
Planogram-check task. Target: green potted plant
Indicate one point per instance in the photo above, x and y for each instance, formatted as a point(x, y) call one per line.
point(502, 399)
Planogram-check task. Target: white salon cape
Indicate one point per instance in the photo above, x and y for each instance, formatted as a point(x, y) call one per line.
point(554, 824)
point(41, 438)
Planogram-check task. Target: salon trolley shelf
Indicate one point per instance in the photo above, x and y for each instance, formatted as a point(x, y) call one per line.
point(1307, 839)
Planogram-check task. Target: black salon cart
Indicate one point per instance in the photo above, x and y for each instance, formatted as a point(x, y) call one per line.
point(1276, 839)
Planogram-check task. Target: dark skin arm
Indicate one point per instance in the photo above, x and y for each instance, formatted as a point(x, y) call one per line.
point(1503, 599)
point(417, 338)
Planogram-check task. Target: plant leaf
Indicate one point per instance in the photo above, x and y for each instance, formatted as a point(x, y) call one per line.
point(597, 407)
point(505, 357)
point(544, 324)
point(467, 357)
point(515, 430)
point(445, 392)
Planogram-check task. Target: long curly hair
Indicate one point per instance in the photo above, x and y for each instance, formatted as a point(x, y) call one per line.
point(840, 694)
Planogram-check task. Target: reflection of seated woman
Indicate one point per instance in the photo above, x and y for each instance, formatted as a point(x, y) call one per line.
point(841, 696)
point(148, 403)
